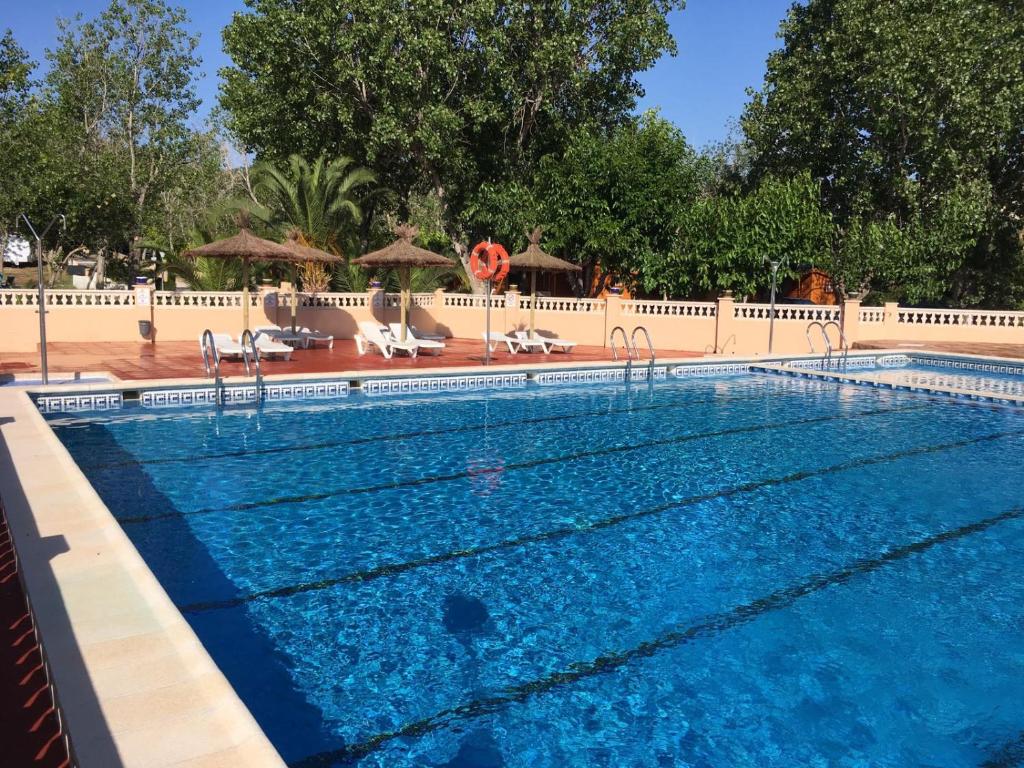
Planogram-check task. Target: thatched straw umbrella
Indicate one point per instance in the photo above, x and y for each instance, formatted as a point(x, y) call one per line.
point(403, 256)
point(534, 260)
point(247, 247)
point(301, 255)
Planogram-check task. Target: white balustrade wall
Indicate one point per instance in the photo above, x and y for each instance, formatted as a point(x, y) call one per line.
point(723, 326)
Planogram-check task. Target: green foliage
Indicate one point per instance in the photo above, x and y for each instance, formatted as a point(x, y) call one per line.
point(320, 200)
point(725, 242)
point(435, 96)
point(908, 112)
point(610, 200)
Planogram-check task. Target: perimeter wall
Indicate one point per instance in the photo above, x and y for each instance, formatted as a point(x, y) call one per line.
point(721, 327)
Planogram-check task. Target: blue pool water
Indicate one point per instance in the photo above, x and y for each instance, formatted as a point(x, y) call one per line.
point(746, 571)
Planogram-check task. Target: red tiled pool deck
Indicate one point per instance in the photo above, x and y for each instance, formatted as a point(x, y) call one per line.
point(131, 361)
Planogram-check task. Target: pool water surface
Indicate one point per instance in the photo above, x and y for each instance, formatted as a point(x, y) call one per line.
point(750, 570)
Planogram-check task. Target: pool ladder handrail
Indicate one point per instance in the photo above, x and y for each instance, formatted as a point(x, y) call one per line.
point(843, 345)
point(209, 345)
point(650, 348)
point(247, 334)
point(625, 344)
point(632, 353)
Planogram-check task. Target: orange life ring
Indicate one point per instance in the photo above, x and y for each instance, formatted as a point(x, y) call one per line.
point(496, 265)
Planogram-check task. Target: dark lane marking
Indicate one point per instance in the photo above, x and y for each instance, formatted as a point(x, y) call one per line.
point(393, 569)
point(1010, 756)
point(291, 450)
point(565, 458)
point(711, 625)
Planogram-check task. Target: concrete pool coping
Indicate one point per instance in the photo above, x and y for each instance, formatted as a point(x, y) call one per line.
point(136, 685)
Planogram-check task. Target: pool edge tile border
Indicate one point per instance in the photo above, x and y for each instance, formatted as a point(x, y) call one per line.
point(91, 588)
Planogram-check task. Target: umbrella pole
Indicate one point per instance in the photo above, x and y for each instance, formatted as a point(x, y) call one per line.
point(404, 283)
point(533, 300)
point(294, 299)
point(245, 294)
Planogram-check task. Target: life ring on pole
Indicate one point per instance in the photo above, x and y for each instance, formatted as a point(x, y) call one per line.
point(494, 265)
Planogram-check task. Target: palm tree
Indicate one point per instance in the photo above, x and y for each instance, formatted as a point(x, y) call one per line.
point(319, 200)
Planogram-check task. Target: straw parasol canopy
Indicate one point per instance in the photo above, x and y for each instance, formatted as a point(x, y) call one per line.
point(534, 260)
point(303, 254)
point(403, 256)
point(247, 247)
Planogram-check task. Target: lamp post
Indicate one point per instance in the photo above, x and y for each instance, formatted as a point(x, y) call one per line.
point(41, 283)
point(775, 264)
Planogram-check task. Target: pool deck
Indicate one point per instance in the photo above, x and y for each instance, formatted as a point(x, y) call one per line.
point(181, 359)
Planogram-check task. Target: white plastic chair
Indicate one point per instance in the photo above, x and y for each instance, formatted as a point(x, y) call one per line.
point(226, 346)
point(266, 347)
point(396, 333)
point(548, 342)
point(371, 333)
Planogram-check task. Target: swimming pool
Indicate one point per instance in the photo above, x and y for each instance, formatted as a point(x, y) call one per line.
point(752, 570)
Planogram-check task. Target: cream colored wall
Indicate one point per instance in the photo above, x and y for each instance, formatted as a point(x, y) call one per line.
point(722, 327)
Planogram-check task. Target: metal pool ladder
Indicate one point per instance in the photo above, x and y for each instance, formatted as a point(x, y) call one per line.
point(629, 344)
point(650, 348)
point(843, 345)
point(247, 334)
point(209, 347)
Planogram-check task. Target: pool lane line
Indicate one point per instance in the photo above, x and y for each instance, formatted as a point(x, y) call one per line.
point(1010, 755)
point(290, 450)
point(683, 634)
point(394, 569)
point(476, 472)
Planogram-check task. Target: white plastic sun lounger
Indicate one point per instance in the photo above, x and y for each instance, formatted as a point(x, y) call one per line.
point(226, 346)
point(266, 347)
point(548, 342)
point(371, 333)
point(312, 337)
point(431, 344)
point(514, 343)
point(494, 338)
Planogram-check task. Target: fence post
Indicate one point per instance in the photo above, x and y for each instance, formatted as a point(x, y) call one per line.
point(851, 321)
point(612, 315)
point(725, 324)
point(890, 321)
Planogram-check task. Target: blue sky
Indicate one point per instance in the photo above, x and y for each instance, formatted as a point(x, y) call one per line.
point(722, 49)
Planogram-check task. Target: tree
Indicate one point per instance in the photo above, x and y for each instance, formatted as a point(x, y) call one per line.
point(319, 200)
point(725, 241)
point(17, 149)
point(609, 202)
point(903, 110)
point(436, 96)
point(123, 85)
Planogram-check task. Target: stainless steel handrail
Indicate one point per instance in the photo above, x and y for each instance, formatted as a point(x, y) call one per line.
point(208, 345)
point(625, 344)
point(843, 344)
point(650, 347)
point(247, 334)
point(807, 334)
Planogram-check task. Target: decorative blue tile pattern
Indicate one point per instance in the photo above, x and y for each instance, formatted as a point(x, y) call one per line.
point(168, 398)
point(712, 369)
point(306, 390)
point(596, 375)
point(893, 361)
point(104, 401)
point(968, 365)
point(836, 363)
point(411, 384)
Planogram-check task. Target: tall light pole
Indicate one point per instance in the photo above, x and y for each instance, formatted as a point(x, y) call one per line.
point(775, 264)
point(42, 287)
